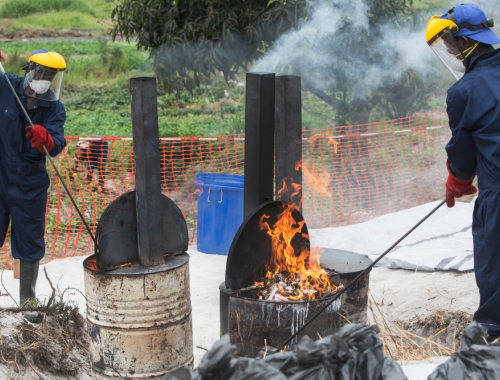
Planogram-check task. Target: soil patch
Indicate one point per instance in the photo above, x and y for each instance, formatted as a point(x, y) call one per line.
point(443, 327)
point(56, 345)
point(37, 34)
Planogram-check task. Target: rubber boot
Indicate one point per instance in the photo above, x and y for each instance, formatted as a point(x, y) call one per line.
point(27, 284)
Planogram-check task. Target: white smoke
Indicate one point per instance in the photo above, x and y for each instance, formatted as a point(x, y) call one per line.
point(316, 49)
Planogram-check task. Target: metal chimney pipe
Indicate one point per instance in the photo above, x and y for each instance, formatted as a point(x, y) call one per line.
point(259, 141)
point(147, 170)
point(288, 135)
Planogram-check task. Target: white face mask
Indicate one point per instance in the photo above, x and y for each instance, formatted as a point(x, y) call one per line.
point(455, 63)
point(40, 86)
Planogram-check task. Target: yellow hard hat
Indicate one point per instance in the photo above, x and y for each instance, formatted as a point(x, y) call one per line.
point(437, 27)
point(49, 59)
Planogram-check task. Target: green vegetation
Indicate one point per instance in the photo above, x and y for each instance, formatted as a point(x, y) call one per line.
point(22, 8)
point(55, 14)
point(96, 91)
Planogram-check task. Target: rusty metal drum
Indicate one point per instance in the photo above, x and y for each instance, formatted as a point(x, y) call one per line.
point(139, 319)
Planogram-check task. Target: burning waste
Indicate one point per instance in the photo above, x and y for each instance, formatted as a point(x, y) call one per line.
point(291, 276)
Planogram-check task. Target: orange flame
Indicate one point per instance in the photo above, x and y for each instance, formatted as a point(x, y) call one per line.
point(316, 182)
point(335, 145)
point(91, 264)
point(292, 191)
point(313, 280)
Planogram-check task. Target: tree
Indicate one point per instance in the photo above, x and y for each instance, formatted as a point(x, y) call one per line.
point(193, 38)
point(353, 67)
point(359, 68)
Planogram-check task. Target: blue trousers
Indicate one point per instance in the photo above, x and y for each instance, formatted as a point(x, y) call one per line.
point(486, 238)
point(23, 203)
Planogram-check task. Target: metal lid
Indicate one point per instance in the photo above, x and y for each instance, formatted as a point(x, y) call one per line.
point(116, 232)
point(347, 264)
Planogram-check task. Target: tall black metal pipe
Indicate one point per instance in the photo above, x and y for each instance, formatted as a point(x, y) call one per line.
point(288, 139)
point(259, 141)
point(147, 170)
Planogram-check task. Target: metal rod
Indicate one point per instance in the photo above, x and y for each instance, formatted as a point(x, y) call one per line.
point(48, 156)
point(337, 295)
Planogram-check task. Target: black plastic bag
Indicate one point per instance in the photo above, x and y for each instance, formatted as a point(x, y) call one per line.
point(354, 353)
point(475, 359)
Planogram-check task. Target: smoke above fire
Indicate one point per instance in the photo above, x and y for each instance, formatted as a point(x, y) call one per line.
point(332, 41)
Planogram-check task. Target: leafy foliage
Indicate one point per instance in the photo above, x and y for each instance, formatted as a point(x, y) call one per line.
point(194, 38)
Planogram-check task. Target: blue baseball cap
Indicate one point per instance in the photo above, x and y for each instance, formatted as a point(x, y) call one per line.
point(472, 23)
point(39, 51)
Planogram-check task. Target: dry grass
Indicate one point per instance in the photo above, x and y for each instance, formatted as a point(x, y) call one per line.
point(420, 338)
point(57, 344)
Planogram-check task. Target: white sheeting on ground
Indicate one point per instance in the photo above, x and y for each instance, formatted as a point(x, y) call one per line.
point(442, 242)
point(444, 236)
point(207, 272)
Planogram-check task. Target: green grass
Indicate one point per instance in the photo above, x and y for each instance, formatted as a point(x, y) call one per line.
point(55, 14)
point(58, 20)
point(96, 82)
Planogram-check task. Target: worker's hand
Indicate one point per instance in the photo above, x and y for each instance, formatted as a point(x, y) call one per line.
point(456, 187)
point(40, 137)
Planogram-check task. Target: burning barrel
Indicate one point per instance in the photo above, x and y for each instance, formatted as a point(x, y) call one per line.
point(274, 283)
point(275, 290)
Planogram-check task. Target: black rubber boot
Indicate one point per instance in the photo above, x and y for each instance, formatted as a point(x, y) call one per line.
point(27, 281)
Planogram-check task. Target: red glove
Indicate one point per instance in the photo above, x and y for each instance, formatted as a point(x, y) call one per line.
point(456, 187)
point(40, 137)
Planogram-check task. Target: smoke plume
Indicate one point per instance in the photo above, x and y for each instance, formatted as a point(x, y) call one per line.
point(336, 44)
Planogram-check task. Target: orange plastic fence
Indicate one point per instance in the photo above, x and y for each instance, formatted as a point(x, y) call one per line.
point(350, 174)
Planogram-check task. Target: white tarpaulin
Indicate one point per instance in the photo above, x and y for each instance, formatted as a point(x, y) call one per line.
point(442, 242)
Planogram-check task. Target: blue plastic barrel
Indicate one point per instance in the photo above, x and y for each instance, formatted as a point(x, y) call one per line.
point(220, 211)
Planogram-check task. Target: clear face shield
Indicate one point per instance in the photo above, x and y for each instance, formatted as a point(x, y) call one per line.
point(41, 82)
point(448, 51)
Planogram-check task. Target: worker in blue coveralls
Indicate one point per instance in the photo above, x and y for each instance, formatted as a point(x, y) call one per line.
point(23, 175)
point(464, 40)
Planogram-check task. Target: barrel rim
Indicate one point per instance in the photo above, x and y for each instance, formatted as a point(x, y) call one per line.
point(232, 293)
point(141, 270)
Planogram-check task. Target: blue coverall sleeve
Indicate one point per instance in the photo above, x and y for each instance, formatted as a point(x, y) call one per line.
point(461, 148)
point(54, 125)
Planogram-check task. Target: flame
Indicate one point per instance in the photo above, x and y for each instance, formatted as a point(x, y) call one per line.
point(292, 191)
point(313, 281)
point(91, 264)
point(331, 140)
point(319, 183)
point(335, 144)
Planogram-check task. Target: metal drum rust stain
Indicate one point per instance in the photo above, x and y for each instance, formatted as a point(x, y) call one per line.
point(140, 324)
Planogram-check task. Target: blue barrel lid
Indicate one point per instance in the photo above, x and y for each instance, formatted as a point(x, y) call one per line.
point(219, 180)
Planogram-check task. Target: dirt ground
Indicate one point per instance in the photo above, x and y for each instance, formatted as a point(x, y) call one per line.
point(37, 34)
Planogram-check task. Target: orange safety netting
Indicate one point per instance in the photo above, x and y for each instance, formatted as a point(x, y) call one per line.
point(350, 174)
